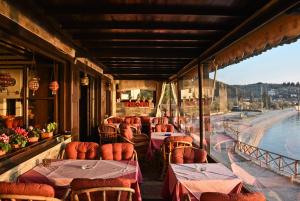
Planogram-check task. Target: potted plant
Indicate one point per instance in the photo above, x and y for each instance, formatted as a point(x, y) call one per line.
point(4, 144)
point(48, 132)
point(18, 138)
point(33, 134)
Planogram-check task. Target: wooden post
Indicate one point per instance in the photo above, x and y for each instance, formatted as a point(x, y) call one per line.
point(200, 84)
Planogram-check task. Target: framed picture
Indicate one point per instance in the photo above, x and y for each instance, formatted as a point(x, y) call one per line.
point(11, 83)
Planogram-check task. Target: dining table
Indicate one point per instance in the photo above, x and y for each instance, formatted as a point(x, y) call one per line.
point(60, 173)
point(156, 140)
point(193, 179)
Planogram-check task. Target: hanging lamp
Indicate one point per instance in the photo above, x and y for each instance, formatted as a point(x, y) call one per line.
point(84, 81)
point(33, 83)
point(54, 86)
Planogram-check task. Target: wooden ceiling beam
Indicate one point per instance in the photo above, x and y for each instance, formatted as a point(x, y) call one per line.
point(141, 71)
point(145, 36)
point(142, 62)
point(145, 44)
point(104, 8)
point(101, 25)
point(146, 53)
point(141, 77)
point(140, 65)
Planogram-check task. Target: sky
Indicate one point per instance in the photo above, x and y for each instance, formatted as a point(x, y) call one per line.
point(277, 65)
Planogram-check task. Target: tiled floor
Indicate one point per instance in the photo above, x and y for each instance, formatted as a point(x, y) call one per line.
point(152, 184)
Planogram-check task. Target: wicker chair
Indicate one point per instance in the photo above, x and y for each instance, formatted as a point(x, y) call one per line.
point(101, 190)
point(169, 144)
point(107, 133)
point(139, 140)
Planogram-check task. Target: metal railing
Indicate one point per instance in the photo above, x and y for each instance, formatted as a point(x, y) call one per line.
point(273, 161)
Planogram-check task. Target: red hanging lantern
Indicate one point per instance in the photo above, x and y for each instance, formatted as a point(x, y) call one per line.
point(54, 86)
point(34, 85)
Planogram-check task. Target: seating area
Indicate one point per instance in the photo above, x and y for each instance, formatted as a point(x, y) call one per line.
point(89, 171)
point(120, 100)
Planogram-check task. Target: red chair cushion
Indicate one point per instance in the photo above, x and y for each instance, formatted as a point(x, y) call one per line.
point(165, 120)
point(164, 128)
point(79, 184)
point(212, 196)
point(117, 151)
point(126, 131)
point(179, 138)
point(26, 189)
point(189, 155)
point(128, 120)
point(82, 150)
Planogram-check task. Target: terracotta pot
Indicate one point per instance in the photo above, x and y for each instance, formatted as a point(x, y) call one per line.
point(47, 135)
point(9, 122)
point(15, 146)
point(2, 152)
point(67, 136)
point(33, 139)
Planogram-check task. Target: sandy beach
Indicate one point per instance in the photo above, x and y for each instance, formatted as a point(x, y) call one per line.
point(251, 129)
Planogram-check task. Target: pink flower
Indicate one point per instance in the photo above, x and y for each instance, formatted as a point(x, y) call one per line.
point(4, 138)
point(21, 131)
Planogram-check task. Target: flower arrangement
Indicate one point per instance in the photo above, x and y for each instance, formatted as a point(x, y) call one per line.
point(4, 144)
point(19, 138)
point(51, 127)
point(48, 132)
point(33, 134)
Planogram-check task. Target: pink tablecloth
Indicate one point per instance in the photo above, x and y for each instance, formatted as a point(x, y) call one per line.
point(156, 140)
point(194, 179)
point(61, 173)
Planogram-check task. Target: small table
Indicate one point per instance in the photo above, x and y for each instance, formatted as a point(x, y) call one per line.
point(60, 173)
point(196, 178)
point(156, 140)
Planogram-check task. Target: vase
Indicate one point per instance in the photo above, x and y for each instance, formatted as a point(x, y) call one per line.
point(2, 152)
point(9, 122)
point(33, 139)
point(47, 135)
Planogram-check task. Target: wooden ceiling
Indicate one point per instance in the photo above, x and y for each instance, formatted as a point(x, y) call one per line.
point(151, 39)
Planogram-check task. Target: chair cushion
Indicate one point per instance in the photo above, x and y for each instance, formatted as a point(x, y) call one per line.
point(179, 138)
point(164, 128)
point(126, 131)
point(79, 184)
point(165, 120)
point(117, 151)
point(26, 189)
point(128, 120)
point(82, 150)
point(212, 196)
point(188, 155)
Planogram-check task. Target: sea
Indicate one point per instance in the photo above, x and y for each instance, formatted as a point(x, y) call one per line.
point(283, 138)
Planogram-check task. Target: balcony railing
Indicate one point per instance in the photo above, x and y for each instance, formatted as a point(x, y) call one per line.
point(278, 163)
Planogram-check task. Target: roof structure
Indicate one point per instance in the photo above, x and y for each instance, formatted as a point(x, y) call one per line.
point(152, 39)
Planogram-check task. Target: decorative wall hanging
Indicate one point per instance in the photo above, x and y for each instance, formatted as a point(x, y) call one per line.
point(6, 81)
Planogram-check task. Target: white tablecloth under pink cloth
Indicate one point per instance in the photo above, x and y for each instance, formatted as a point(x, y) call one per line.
point(60, 173)
point(156, 140)
point(194, 179)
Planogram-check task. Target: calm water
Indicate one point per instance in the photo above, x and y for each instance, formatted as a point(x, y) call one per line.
point(284, 138)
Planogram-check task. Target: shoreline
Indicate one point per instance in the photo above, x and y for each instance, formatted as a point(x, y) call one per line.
point(258, 125)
